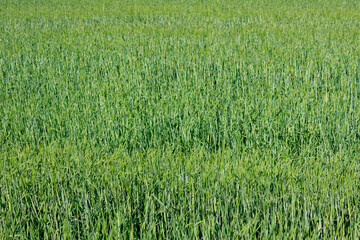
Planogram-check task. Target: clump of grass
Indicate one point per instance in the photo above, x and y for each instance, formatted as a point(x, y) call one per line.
point(179, 119)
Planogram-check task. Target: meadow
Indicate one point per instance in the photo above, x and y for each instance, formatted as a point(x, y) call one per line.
point(179, 119)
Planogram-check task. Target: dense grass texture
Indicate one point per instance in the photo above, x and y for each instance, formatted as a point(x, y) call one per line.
point(179, 119)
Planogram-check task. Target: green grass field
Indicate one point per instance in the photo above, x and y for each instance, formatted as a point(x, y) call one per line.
point(179, 119)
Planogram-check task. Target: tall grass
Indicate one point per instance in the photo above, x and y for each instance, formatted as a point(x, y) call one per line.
point(179, 119)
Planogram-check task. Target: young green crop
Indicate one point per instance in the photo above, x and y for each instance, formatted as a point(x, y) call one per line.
point(179, 119)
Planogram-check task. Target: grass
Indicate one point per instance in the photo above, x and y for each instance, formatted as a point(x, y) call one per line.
point(179, 119)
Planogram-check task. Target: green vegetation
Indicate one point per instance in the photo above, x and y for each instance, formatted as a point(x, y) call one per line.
point(179, 119)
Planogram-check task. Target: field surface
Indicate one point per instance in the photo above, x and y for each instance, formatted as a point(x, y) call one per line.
point(179, 119)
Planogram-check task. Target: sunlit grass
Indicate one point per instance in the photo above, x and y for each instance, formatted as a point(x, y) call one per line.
point(179, 119)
